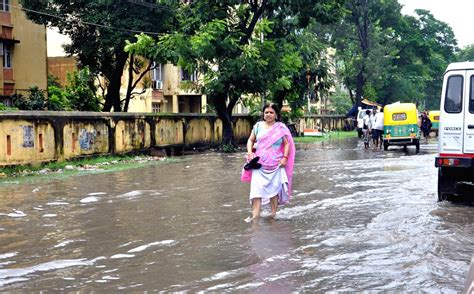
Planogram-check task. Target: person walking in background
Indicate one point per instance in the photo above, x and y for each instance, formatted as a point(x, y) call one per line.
point(372, 123)
point(366, 127)
point(271, 142)
point(377, 129)
point(425, 126)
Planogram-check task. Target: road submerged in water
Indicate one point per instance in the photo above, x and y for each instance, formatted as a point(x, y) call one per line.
point(359, 220)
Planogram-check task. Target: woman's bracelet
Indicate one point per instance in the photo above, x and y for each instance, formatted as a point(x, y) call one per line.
point(284, 156)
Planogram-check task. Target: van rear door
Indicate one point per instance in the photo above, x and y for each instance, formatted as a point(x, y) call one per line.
point(469, 113)
point(452, 118)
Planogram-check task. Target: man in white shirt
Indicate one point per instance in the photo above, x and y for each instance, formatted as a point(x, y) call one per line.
point(377, 129)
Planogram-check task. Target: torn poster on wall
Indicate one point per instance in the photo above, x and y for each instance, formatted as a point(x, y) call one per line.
point(28, 136)
point(86, 139)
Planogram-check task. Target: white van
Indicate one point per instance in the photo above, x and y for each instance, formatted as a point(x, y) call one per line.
point(455, 161)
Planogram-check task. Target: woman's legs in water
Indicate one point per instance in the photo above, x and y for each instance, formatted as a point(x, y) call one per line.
point(256, 204)
point(274, 205)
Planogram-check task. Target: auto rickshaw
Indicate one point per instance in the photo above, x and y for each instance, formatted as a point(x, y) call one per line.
point(401, 125)
point(434, 117)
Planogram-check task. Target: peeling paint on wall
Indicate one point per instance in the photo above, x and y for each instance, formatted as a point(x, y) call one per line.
point(86, 139)
point(28, 137)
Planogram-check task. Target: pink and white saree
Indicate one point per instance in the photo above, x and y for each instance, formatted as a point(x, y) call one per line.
point(271, 179)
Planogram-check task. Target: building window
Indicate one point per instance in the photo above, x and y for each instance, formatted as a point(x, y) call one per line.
point(5, 5)
point(188, 75)
point(7, 56)
point(155, 107)
point(157, 76)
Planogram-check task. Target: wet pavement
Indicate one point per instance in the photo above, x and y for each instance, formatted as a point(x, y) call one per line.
point(359, 220)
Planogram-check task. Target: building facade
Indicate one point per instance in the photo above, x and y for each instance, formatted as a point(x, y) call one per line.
point(169, 91)
point(23, 50)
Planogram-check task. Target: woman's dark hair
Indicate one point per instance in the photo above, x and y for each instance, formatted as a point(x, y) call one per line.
point(275, 107)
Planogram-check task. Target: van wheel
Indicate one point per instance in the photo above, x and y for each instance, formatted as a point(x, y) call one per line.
point(385, 145)
point(417, 145)
point(446, 185)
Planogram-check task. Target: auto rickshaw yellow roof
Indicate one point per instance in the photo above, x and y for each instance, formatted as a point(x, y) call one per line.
point(399, 107)
point(433, 113)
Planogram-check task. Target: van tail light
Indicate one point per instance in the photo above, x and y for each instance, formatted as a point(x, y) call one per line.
point(448, 161)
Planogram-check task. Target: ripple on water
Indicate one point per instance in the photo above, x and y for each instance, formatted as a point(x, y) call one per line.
point(89, 199)
point(8, 276)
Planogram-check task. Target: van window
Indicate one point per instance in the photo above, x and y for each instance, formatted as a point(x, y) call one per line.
point(453, 99)
point(471, 95)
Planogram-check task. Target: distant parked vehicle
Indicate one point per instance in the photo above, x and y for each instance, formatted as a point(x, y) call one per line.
point(434, 117)
point(401, 125)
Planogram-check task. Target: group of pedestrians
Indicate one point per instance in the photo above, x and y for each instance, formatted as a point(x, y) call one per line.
point(372, 128)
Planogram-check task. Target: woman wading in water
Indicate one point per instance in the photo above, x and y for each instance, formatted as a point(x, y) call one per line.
point(271, 141)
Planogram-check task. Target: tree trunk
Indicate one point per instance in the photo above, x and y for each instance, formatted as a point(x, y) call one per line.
point(129, 85)
point(360, 81)
point(114, 75)
point(112, 98)
point(227, 128)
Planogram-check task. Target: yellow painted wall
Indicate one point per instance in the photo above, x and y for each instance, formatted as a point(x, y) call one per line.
point(198, 131)
point(84, 138)
point(131, 135)
point(29, 56)
point(169, 131)
point(86, 133)
point(24, 140)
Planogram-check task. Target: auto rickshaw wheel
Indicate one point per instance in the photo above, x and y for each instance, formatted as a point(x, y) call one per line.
point(446, 185)
point(385, 145)
point(417, 145)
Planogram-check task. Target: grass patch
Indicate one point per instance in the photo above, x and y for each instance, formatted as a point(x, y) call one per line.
point(326, 137)
point(89, 164)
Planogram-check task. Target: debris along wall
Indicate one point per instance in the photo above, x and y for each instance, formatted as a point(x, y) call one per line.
point(325, 123)
point(32, 137)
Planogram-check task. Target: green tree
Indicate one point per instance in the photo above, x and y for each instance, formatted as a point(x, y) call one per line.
point(386, 56)
point(424, 47)
point(98, 30)
point(237, 47)
point(57, 99)
point(466, 53)
point(81, 91)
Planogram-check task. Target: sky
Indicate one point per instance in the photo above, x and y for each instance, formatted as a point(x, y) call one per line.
point(55, 40)
point(456, 13)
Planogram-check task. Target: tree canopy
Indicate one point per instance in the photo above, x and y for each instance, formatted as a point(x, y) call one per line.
point(98, 31)
point(239, 47)
point(386, 56)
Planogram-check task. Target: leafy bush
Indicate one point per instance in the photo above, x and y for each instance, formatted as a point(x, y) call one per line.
point(81, 91)
point(57, 99)
point(34, 101)
point(229, 148)
point(3, 107)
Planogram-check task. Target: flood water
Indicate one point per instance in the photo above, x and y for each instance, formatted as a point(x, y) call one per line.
point(358, 220)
